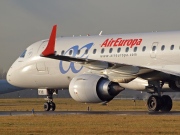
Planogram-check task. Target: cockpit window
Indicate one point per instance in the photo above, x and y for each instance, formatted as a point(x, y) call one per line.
point(23, 54)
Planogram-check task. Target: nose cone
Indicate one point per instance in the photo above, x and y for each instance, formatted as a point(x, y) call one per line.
point(21, 76)
point(12, 77)
point(16, 76)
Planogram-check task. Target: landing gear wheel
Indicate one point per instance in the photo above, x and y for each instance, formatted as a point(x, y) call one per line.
point(167, 103)
point(154, 103)
point(46, 106)
point(52, 106)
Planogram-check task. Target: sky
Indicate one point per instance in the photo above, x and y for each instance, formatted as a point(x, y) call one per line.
point(23, 22)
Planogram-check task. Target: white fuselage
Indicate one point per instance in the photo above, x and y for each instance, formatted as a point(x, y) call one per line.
point(157, 51)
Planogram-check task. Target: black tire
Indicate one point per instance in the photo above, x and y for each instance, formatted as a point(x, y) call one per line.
point(52, 106)
point(167, 103)
point(46, 106)
point(154, 103)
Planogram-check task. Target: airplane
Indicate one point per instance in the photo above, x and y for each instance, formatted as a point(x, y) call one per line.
point(97, 68)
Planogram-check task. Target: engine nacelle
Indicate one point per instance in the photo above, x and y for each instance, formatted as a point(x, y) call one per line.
point(175, 85)
point(90, 88)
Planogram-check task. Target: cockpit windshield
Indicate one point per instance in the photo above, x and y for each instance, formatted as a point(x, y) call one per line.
point(23, 54)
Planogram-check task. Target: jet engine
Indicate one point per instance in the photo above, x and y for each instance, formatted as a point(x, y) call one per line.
point(175, 85)
point(90, 88)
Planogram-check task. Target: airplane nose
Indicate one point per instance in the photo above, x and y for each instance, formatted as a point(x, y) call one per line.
point(9, 76)
point(12, 77)
point(20, 76)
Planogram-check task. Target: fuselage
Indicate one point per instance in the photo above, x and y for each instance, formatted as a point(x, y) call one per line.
point(157, 51)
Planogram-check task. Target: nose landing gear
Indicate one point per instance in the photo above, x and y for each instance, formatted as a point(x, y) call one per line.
point(49, 105)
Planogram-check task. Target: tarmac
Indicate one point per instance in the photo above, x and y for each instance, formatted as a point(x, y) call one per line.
point(23, 113)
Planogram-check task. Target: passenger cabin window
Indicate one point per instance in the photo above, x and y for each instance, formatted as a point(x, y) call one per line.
point(102, 50)
point(162, 47)
point(135, 49)
point(79, 51)
point(94, 51)
point(119, 50)
point(144, 48)
point(86, 52)
point(153, 48)
point(23, 54)
point(127, 49)
point(110, 50)
point(172, 47)
point(62, 53)
point(70, 52)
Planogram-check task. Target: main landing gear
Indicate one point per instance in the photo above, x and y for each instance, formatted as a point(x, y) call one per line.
point(158, 102)
point(49, 105)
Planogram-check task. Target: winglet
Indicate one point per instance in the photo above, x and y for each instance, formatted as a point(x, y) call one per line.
point(49, 50)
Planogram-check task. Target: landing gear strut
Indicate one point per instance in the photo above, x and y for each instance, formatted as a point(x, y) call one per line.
point(49, 105)
point(157, 103)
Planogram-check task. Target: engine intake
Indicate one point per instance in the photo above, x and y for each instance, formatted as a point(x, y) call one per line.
point(175, 83)
point(92, 88)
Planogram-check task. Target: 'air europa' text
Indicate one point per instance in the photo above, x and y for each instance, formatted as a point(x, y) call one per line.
point(121, 42)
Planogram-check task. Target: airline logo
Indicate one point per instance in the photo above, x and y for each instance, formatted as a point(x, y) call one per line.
point(121, 42)
point(63, 69)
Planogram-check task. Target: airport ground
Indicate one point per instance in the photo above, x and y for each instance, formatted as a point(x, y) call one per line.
point(85, 124)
